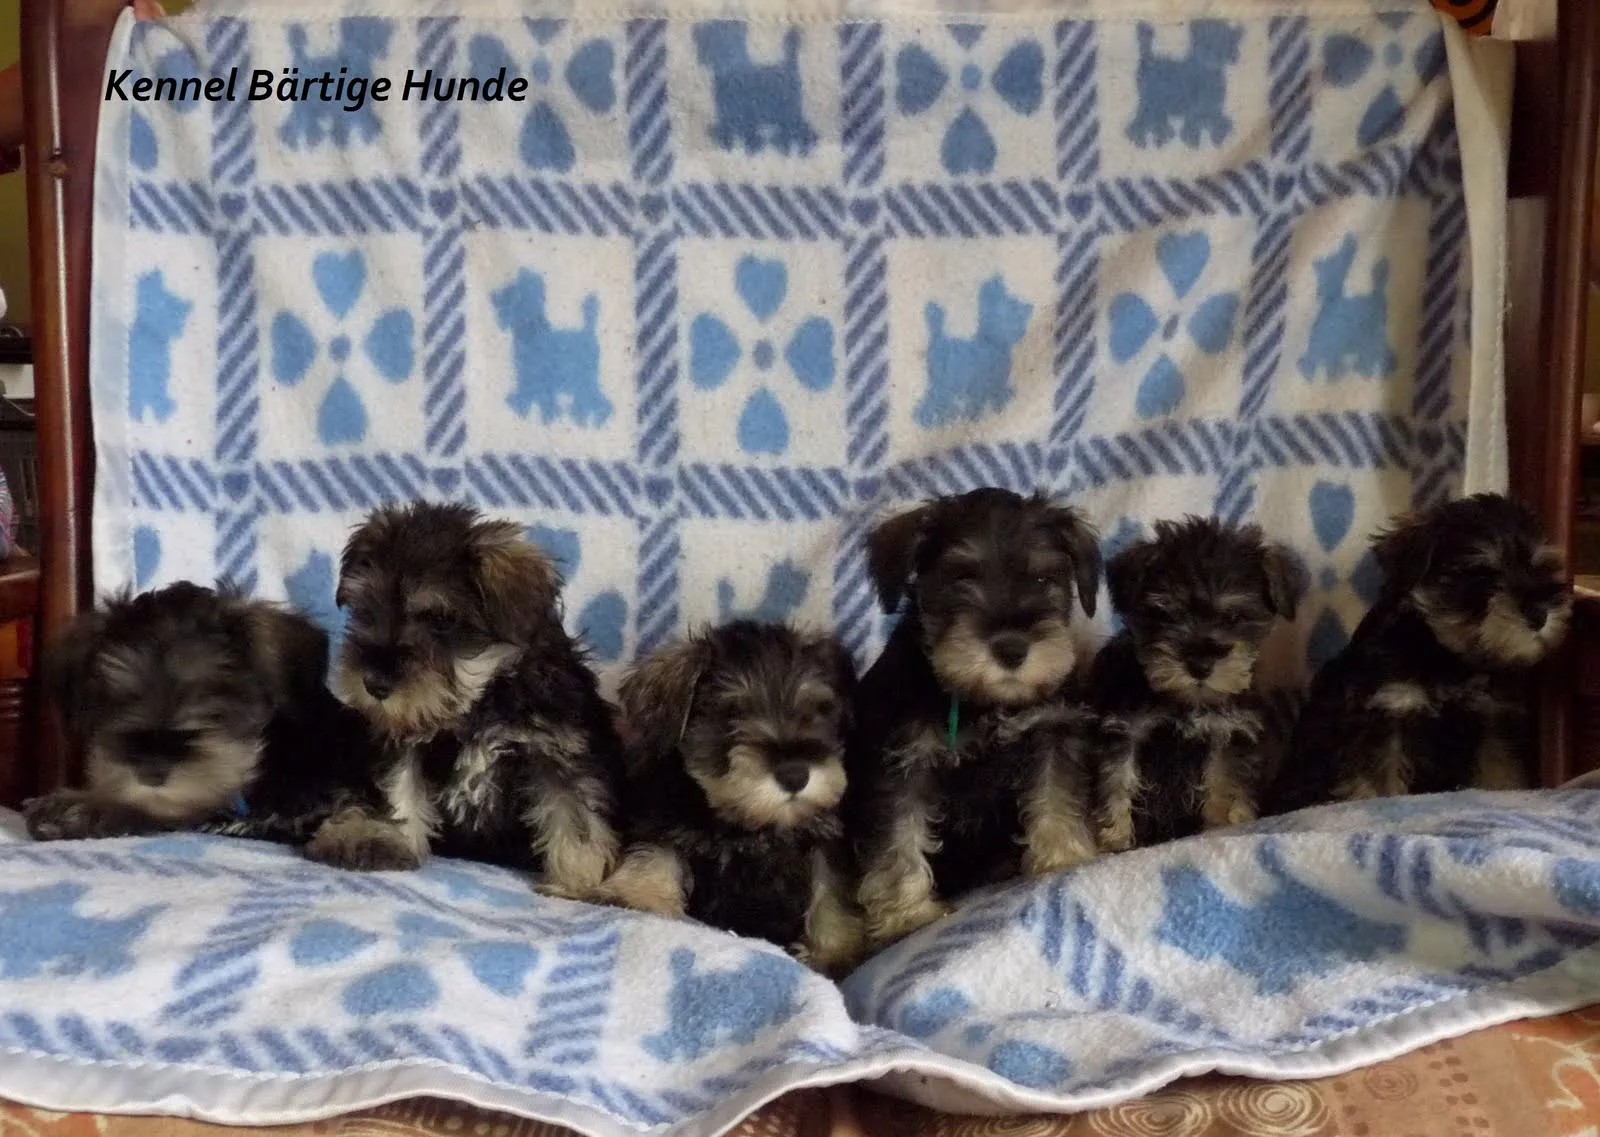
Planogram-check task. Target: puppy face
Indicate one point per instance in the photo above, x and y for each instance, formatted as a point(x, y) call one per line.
point(171, 690)
point(439, 600)
point(1198, 600)
point(1481, 574)
point(993, 576)
point(756, 713)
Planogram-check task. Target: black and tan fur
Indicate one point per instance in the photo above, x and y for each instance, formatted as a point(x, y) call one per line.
point(495, 741)
point(200, 709)
point(1181, 733)
point(988, 583)
point(735, 779)
point(1432, 692)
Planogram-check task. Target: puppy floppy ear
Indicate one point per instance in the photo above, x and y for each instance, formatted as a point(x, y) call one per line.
point(840, 667)
point(67, 669)
point(1286, 580)
point(518, 583)
point(1404, 552)
point(658, 694)
point(1077, 538)
point(1126, 572)
point(892, 549)
point(290, 654)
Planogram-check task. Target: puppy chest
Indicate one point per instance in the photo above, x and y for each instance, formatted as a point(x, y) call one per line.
point(755, 893)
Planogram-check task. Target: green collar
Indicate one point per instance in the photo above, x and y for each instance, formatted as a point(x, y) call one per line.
point(955, 719)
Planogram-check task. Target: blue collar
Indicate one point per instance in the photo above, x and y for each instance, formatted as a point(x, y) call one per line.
point(955, 720)
point(239, 806)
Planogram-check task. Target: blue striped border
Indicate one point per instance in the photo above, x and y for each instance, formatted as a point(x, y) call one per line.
point(340, 209)
point(866, 352)
point(756, 493)
point(655, 301)
point(863, 102)
point(979, 209)
point(649, 124)
point(659, 554)
point(171, 207)
point(548, 205)
point(768, 212)
point(1011, 465)
point(339, 484)
point(577, 485)
point(1077, 102)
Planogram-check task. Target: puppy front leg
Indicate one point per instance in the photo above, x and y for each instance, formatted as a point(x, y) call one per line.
point(1119, 785)
point(897, 888)
point(1055, 809)
point(573, 837)
point(1228, 786)
point(651, 878)
point(359, 837)
point(70, 815)
point(835, 935)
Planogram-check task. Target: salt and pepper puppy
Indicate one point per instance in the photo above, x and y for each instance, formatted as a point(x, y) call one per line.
point(1432, 692)
point(947, 776)
point(1182, 733)
point(735, 777)
point(200, 709)
point(495, 742)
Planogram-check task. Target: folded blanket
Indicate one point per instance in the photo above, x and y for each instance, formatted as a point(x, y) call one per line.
point(233, 981)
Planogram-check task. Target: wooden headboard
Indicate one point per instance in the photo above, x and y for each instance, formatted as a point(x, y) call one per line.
point(1553, 148)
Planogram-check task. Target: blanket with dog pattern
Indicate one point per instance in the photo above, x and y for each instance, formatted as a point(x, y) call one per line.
point(236, 982)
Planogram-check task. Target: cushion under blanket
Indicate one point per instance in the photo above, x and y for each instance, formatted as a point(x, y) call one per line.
point(237, 982)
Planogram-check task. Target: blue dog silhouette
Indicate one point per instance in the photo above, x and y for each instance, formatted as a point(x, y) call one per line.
point(58, 941)
point(968, 378)
point(709, 1009)
point(362, 42)
point(1350, 331)
point(558, 369)
point(785, 591)
point(158, 319)
point(758, 104)
point(1191, 90)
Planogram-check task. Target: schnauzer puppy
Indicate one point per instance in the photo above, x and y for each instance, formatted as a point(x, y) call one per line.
point(1181, 732)
point(202, 710)
point(963, 747)
point(735, 777)
point(496, 744)
point(1431, 692)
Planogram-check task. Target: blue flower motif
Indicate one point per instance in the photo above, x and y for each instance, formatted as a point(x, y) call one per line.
point(1136, 326)
point(921, 79)
point(340, 280)
point(604, 618)
point(716, 350)
point(545, 142)
point(1347, 60)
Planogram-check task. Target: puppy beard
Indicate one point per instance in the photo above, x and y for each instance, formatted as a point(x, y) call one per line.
point(747, 795)
point(1233, 674)
point(1501, 636)
point(964, 665)
point(197, 788)
point(425, 703)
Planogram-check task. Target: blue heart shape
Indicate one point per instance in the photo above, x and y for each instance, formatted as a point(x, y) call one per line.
point(653, 206)
point(560, 545)
point(1429, 440)
point(1161, 390)
point(925, 1017)
point(327, 941)
point(864, 210)
point(1430, 59)
point(231, 204)
point(761, 284)
point(143, 151)
point(545, 143)
point(543, 29)
point(442, 201)
point(810, 354)
point(1019, 79)
point(713, 352)
point(919, 79)
point(446, 479)
point(1183, 257)
point(486, 55)
point(589, 75)
point(342, 417)
point(968, 146)
point(1345, 59)
point(658, 490)
point(1333, 508)
point(339, 279)
point(1282, 186)
point(601, 625)
point(1029, 1064)
point(416, 929)
point(236, 484)
point(501, 966)
point(1211, 326)
point(294, 348)
point(1079, 204)
point(1132, 325)
point(311, 589)
point(1367, 579)
point(388, 345)
point(763, 427)
point(146, 556)
point(1383, 118)
point(1327, 639)
point(966, 34)
point(397, 987)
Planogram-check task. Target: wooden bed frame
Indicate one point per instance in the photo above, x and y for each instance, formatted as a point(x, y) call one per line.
point(1555, 120)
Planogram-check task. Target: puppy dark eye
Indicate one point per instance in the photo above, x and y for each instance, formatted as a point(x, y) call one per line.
point(440, 623)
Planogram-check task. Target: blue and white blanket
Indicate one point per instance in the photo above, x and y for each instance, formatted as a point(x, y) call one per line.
point(233, 981)
point(733, 278)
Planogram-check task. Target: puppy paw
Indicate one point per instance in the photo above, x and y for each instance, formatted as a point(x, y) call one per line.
point(648, 880)
point(1056, 852)
point(885, 927)
point(362, 843)
point(834, 943)
point(1116, 836)
point(72, 815)
point(1225, 812)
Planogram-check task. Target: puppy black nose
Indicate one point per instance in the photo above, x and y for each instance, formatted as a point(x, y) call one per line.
point(152, 773)
point(1200, 658)
point(1010, 648)
point(1536, 613)
point(791, 776)
point(378, 687)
